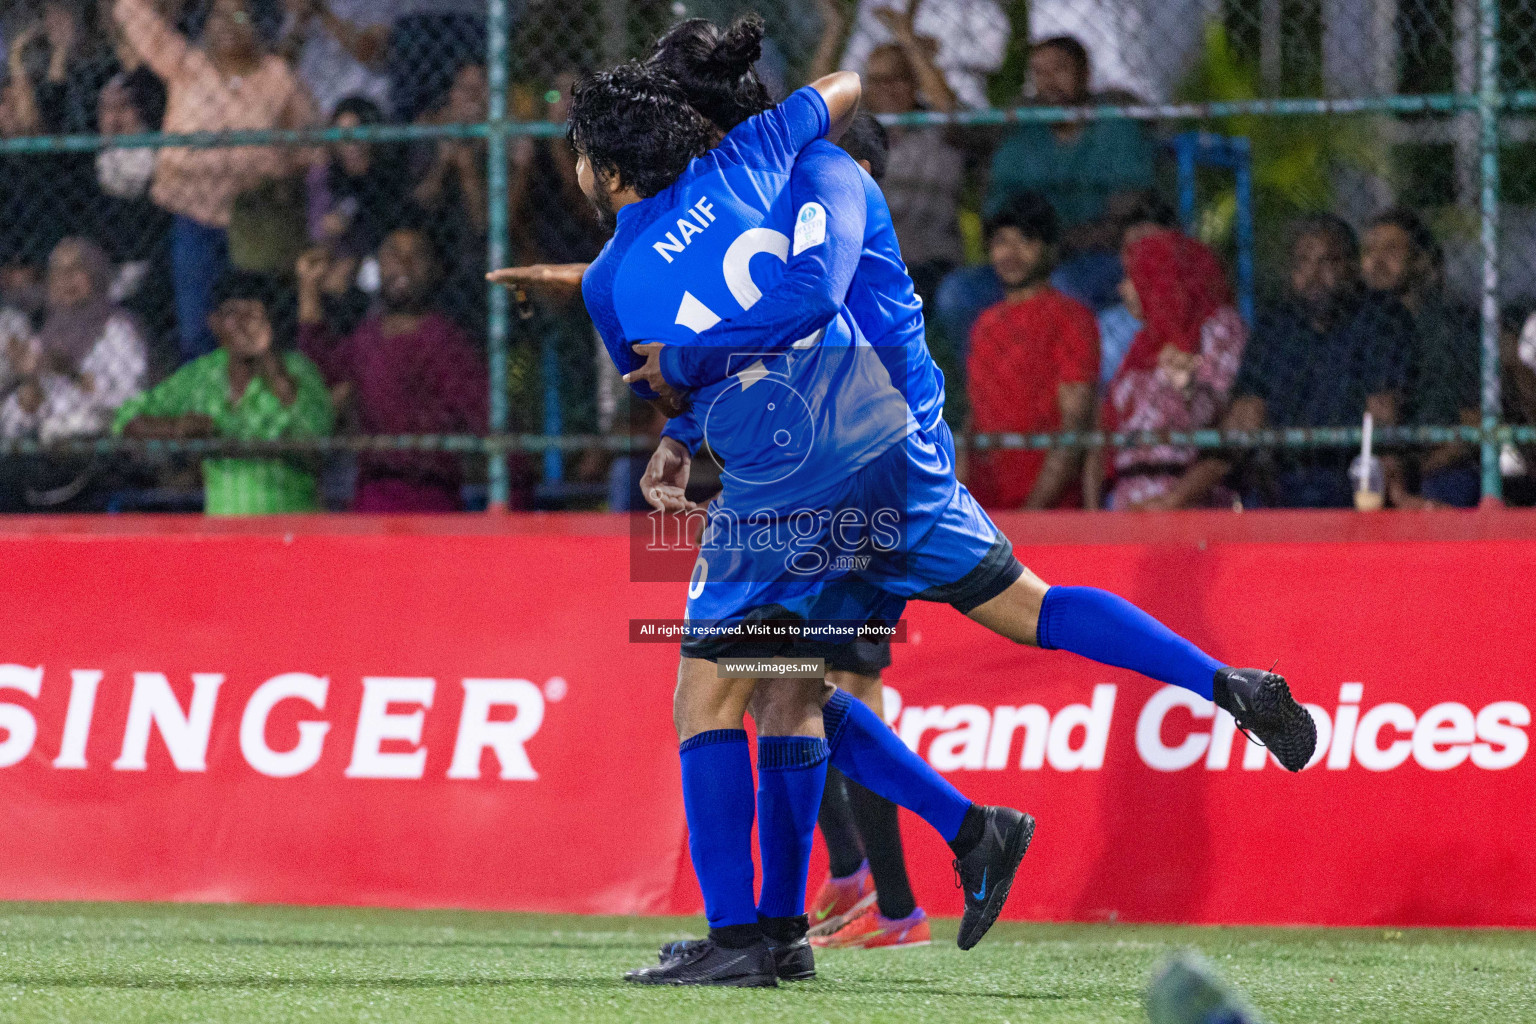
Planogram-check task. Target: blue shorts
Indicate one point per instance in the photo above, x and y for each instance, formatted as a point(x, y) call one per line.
point(901, 528)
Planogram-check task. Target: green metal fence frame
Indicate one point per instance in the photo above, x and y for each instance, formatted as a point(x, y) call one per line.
point(1489, 102)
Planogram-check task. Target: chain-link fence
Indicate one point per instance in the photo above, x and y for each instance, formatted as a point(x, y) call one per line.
point(243, 246)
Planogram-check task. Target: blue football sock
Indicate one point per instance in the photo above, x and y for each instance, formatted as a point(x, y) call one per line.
point(791, 774)
point(866, 750)
point(717, 798)
point(1109, 629)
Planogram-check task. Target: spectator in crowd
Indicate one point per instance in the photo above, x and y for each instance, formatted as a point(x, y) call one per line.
point(88, 359)
point(1033, 366)
point(355, 194)
point(965, 293)
point(337, 47)
point(22, 293)
point(134, 231)
point(1091, 171)
point(1095, 174)
point(247, 389)
point(1077, 165)
point(971, 37)
point(37, 202)
point(454, 179)
point(225, 82)
point(131, 103)
point(387, 51)
point(1321, 357)
point(451, 191)
point(1400, 260)
point(408, 369)
point(924, 173)
point(79, 64)
point(1117, 325)
point(1179, 370)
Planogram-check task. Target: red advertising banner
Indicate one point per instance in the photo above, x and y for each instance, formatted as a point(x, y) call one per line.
point(449, 713)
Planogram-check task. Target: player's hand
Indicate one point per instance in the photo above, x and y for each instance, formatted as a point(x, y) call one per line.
point(650, 374)
point(665, 482)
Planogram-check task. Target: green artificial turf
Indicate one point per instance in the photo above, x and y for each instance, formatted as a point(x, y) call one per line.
point(157, 962)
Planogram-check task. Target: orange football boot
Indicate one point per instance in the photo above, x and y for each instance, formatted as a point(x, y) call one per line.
point(838, 901)
point(871, 931)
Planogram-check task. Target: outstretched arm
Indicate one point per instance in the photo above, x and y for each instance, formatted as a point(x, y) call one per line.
point(827, 195)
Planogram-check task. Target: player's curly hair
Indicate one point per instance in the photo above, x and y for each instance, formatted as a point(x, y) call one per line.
point(714, 68)
point(636, 126)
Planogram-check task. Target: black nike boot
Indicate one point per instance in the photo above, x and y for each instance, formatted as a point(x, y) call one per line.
point(793, 959)
point(1262, 705)
point(986, 871)
point(705, 962)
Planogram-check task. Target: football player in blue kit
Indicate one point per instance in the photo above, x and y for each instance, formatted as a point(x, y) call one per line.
point(699, 230)
point(868, 887)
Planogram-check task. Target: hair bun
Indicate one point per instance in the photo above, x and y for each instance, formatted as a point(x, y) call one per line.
point(739, 47)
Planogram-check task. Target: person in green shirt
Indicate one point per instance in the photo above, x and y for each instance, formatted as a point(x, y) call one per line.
point(246, 389)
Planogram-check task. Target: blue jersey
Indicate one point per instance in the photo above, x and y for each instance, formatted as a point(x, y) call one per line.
point(793, 414)
point(860, 265)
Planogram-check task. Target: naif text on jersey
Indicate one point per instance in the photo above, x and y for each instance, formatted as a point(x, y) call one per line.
point(699, 217)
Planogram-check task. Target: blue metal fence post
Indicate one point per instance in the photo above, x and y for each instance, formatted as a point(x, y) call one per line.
point(499, 323)
point(1191, 151)
point(1488, 104)
point(1184, 147)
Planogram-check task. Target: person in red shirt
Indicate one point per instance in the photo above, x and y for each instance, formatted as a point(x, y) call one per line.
point(1033, 366)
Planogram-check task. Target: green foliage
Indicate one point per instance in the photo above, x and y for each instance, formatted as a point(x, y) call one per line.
point(1294, 157)
point(1006, 85)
